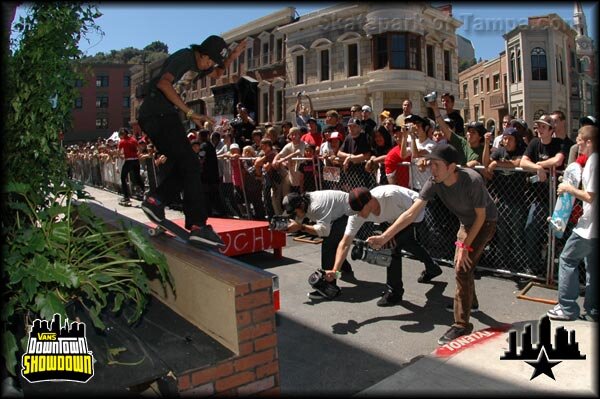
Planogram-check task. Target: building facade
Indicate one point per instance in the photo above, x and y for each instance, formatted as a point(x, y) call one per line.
point(483, 88)
point(375, 54)
point(587, 66)
point(104, 103)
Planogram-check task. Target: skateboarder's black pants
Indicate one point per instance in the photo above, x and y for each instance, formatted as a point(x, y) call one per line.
point(330, 244)
point(169, 137)
point(131, 167)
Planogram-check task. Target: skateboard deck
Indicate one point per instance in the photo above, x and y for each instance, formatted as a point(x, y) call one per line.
point(565, 201)
point(183, 235)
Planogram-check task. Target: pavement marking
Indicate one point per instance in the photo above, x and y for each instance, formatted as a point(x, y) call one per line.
point(468, 341)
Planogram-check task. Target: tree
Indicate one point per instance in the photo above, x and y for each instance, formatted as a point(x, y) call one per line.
point(157, 47)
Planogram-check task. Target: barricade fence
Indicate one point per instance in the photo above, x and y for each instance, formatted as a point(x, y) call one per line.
point(522, 246)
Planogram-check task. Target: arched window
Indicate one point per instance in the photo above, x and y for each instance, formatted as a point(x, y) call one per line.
point(539, 68)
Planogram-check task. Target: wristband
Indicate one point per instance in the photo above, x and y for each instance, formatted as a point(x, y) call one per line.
point(338, 274)
point(461, 244)
point(189, 113)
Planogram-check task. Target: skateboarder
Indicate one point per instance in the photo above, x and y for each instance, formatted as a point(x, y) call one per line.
point(159, 118)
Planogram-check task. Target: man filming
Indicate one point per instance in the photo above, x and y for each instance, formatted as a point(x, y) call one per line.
point(385, 204)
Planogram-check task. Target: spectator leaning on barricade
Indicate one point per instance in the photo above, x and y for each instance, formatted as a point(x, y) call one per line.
point(283, 137)
point(382, 140)
point(508, 188)
point(128, 149)
point(543, 152)
point(499, 133)
point(310, 169)
point(385, 204)
point(421, 144)
point(273, 178)
point(584, 121)
point(367, 124)
point(395, 171)
point(284, 161)
point(464, 193)
point(329, 210)
point(406, 111)
point(582, 244)
point(354, 151)
point(454, 115)
point(248, 182)
point(211, 180)
point(227, 185)
point(466, 156)
point(314, 135)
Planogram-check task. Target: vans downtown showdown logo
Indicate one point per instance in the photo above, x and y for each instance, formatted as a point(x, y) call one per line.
point(56, 353)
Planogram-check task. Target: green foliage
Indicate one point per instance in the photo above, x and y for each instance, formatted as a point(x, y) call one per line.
point(130, 55)
point(62, 252)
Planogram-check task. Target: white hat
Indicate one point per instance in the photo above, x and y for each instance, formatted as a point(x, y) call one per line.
point(367, 108)
point(234, 146)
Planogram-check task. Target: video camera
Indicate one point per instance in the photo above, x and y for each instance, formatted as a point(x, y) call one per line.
point(328, 289)
point(362, 251)
point(279, 223)
point(431, 97)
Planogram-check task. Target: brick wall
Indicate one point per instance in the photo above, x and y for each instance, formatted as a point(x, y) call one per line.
point(255, 370)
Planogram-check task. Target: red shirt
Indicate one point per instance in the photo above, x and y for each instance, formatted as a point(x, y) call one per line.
point(310, 138)
point(393, 167)
point(129, 146)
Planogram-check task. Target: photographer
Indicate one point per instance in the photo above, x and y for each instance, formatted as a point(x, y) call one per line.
point(385, 204)
point(330, 210)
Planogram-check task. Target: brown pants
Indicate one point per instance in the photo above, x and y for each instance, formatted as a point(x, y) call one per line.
point(465, 296)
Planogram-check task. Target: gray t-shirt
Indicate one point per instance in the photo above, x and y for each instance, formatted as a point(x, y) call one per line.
point(326, 206)
point(393, 199)
point(461, 198)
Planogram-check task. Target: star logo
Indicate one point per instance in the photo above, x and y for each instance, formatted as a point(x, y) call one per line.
point(542, 365)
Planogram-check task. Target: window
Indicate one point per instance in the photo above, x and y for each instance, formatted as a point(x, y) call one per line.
point(102, 81)
point(279, 105)
point(126, 102)
point(324, 65)
point(101, 123)
point(476, 111)
point(126, 81)
point(430, 62)
point(265, 53)
point(539, 69)
point(79, 103)
point(573, 62)
point(487, 84)
point(398, 51)
point(102, 102)
point(467, 114)
point(559, 70)
point(447, 65)
point(279, 50)
point(299, 69)
point(465, 90)
point(250, 56)
point(236, 66)
point(518, 65)
point(265, 107)
point(496, 82)
point(512, 67)
point(475, 86)
point(352, 61)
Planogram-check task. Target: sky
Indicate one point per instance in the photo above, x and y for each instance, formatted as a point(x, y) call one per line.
point(179, 25)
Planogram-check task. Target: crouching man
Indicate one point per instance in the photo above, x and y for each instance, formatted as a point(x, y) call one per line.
point(385, 204)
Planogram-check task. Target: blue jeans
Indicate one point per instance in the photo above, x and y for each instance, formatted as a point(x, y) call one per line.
point(575, 250)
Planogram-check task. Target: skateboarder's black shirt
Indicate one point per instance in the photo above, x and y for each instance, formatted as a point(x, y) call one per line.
point(177, 64)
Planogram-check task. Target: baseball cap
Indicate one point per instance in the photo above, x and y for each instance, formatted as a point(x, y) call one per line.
point(444, 152)
point(358, 198)
point(353, 121)
point(191, 136)
point(366, 108)
point(520, 122)
point(336, 135)
point(546, 119)
point(510, 131)
point(478, 126)
point(234, 146)
point(588, 120)
point(414, 119)
point(291, 202)
point(215, 47)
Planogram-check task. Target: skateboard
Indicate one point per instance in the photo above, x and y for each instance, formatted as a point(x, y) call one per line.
point(565, 201)
point(179, 232)
point(308, 238)
point(125, 203)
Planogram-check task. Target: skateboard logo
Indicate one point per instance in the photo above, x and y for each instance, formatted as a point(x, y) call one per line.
point(56, 353)
point(565, 348)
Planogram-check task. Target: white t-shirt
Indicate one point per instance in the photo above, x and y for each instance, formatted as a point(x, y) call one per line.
point(427, 145)
point(497, 141)
point(393, 199)
point(288, 149)
point(586, 227)
point(327, 206)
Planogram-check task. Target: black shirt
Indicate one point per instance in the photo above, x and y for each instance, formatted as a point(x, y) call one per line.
point(177, 64)
point(209, 162)
point(459, 122)
point(537, 151)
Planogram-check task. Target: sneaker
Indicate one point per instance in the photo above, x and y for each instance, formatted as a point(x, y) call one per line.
point(315, 295)
point(154, 209)
point(455, 332)
point(557, 313)
point(426, 277)
point(205, 235)
point(389, 298)
point(474, 308)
